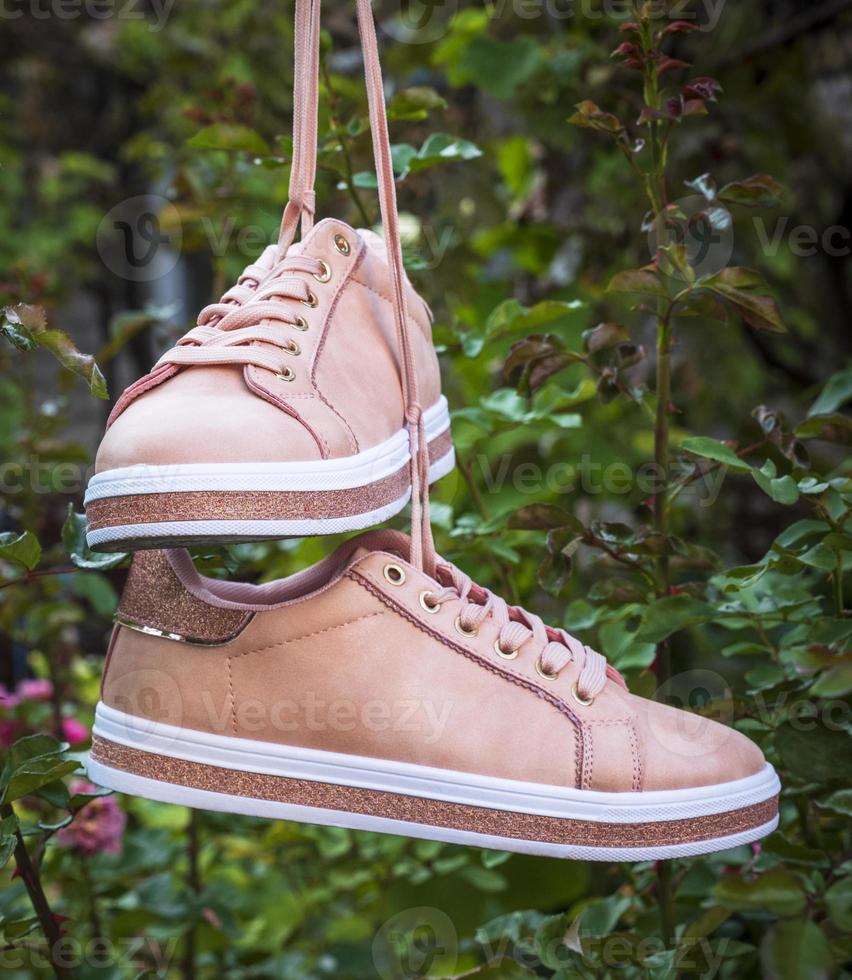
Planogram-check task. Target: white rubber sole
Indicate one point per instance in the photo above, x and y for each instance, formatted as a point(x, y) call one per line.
point(175, 765)
point(161, 506)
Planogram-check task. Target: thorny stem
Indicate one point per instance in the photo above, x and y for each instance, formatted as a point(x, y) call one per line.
point(656, 189)
point(343, 140)
point(193, 880)
point(41, 906)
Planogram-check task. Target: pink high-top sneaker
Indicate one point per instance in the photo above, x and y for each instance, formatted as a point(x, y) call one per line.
point(292, 408)
point(370, 693)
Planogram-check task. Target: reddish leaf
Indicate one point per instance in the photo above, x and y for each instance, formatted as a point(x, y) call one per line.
point(604, 336)
point(701, 88)
point(591, 116)
point(666, 64)
point(757, 191)
point(680, 27)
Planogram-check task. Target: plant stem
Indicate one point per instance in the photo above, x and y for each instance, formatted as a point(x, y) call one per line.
point(342, 138)
point(193, 880)
point(661, 526)
point(41, 906)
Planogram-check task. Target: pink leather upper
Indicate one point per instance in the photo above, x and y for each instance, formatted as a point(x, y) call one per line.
point(245, 413)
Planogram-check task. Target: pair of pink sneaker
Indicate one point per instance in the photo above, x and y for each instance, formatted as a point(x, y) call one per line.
point(380, 689)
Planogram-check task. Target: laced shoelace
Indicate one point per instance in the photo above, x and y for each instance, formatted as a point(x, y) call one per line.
point(230, 331)
point(515, 627)
point(251, 313)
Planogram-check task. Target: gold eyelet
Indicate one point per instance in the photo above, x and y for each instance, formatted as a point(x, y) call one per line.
point(300, 323)
point(462, 630)
point(311, 301)
point(286, 375)
point(505, 654)
point(579, 698)
point(394, 574)
point(430, 608)
point(539, 669)
point(341, 244)
point(325, 275)
point(293, 348)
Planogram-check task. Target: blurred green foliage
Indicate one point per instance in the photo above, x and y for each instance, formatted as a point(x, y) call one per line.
point(726, 592)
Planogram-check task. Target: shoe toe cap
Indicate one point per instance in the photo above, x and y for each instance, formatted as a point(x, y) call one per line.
point(683, 750)
point(204, 416)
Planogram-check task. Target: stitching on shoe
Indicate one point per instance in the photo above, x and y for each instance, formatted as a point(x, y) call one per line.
point(555, 702)
point(307, 636)
point(588, 757)
point(320, 347)
point(424, 329)
point(232, 695)
point(638, 775)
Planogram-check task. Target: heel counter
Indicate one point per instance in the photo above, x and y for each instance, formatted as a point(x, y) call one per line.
point(168, 656)
point(155, 601)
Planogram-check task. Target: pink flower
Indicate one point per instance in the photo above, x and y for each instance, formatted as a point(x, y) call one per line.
point(35, 690)
point(8, 734)
point(98, 827)
point(74, 731)
point(8, 700)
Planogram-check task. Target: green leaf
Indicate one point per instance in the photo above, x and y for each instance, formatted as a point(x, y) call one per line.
point(8, 840)
point(838, 898)
point(415, 103)
point(782, 489)
point(672, 614)
point(834, 683)
point(709, 448)
point(839, 802)
point(837, 391)
point(62, 347)
point(589, 115)
point(777, 891)
point(23, 549)
point(795, 949)
point(706, 924)
point(643, 282)
point(232, 137)
point(74, 539)
point(542, 517)
point(500, 67)
point(18, 324)
point(757, 191)
point(34, 762)
point(814, 754)
point(441, 148)
point(835, 428)
point(737, 277)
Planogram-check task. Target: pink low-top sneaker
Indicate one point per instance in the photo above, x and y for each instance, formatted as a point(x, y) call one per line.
point(367, 693)
point(296, 404)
